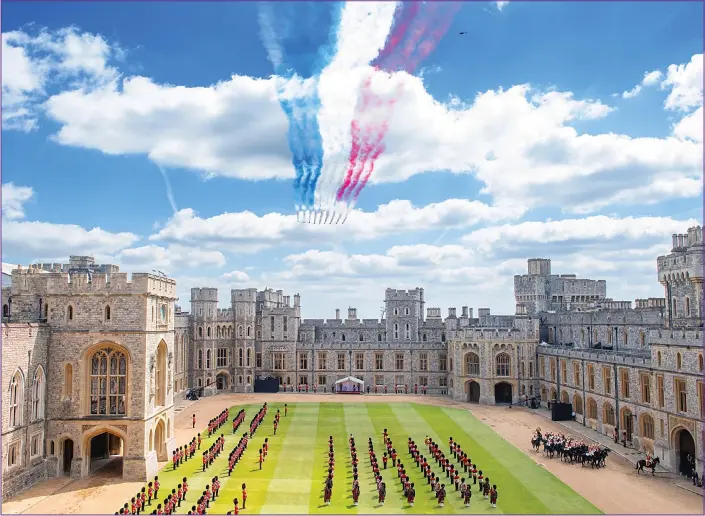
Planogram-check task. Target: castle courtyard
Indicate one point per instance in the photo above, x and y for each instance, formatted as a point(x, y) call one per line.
point(614, 489)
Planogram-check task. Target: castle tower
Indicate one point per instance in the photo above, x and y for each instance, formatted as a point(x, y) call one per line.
point(204, 307)
point(244, 303)
point(403, 314)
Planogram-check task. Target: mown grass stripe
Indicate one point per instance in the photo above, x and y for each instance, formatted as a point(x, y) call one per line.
point(290, 481)
point(359, 423)
point(331, 422)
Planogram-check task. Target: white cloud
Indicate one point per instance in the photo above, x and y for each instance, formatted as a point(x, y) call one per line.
point(32, 63)
point(522, 140)
point(575, 233)
point(13, 200)
point(650, 79)
point(171, 258)
point(248, 232)
point(25, 238)
point(235, 277)
point(501, 5)
point(690, 126)
point(479, 272)
point(686, 84)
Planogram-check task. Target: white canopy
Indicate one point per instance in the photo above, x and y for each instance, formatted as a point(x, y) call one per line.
point(350, 379)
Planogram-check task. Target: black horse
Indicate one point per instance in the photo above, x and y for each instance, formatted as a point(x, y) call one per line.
point(641, 464)
point(536, 443)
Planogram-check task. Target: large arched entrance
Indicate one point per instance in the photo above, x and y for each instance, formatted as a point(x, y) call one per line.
point(222, 382)
point(684, 444)
point(105, 453)
point(473, 391)
point(502, 392)
point(160, 441)
point(67, 457)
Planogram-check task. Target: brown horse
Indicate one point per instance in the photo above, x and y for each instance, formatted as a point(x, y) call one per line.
point(641, 464)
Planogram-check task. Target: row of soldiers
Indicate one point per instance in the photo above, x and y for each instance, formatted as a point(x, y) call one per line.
point(257, 420)
point(354, 462)
point(237, 420)
point(213, 451)
point(236, 453)
point(209, 494)
point(408, 487)
point(381, 486)
point(185, 452)
point(218, 421)
point(328, 485)
point(456, 451)
point(151, 492)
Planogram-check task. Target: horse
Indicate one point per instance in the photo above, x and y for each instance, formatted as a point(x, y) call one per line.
point(536, 443)
point(641, 464)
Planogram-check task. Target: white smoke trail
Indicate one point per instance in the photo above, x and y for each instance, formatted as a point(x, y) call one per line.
point(362, 33)
point(169, 191)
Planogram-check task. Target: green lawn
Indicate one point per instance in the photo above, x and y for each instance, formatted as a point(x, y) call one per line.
point(291, 480)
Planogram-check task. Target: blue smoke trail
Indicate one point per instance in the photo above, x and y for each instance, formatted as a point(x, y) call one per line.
point(299, 49)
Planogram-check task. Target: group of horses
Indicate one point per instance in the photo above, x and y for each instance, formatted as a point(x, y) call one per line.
point(573, 453)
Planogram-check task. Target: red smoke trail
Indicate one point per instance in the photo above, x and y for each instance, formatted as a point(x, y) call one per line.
point(403, 17)
point(356, 145)
point(400, 25)
point(409, 60)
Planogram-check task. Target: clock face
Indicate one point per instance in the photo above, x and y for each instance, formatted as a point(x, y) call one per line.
point(163, 311)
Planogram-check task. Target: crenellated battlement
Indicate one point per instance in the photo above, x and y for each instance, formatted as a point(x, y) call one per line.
point(501, 334)
point(651, 302)
point(632, 359)
point(204, 294)
point(30, 281)
point(403, 295)
point(344, 323)
point(676, 337)
point(246, 295)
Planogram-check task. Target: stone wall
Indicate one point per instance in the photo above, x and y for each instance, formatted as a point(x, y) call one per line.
point(25, 358)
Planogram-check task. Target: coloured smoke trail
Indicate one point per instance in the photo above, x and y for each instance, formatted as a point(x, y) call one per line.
point(299, 50)
point(416, 31)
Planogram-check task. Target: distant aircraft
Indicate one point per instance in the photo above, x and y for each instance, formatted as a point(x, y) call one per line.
point(461, 33)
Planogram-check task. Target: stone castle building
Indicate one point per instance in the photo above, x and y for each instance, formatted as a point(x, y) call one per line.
point(88, 359)
point(94, 362)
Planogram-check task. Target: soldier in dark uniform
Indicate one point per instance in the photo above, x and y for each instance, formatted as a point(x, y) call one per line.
point(327, 492)
point(355, 489)
point(486, 488)
point(411, 495)
point(442, 495)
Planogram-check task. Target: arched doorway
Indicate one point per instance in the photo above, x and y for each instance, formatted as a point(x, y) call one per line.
point(105, 453)
point(473, 391)
point(160, 441)
point(684, 444)
point(502, 392)
point(222, 382)
point(67, 456)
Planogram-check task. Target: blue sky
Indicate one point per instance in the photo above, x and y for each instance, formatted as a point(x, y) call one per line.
point(524, 119)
